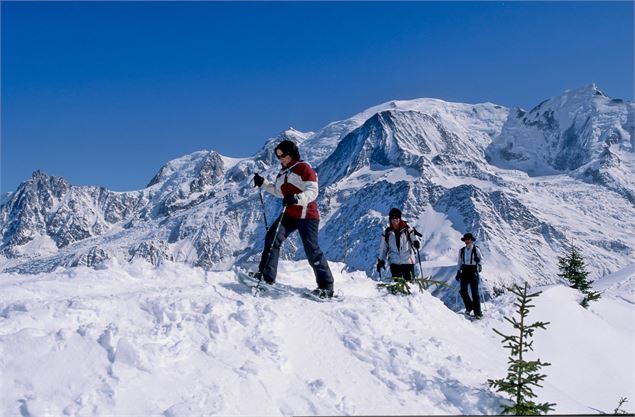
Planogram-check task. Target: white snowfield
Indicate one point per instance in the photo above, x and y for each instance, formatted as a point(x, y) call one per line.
point(138, 340)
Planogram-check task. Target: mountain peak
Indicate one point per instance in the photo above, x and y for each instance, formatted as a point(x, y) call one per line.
point(38, 174)
point(585, 93)
point(592, 89)
point(40, 179)
point(294, 135)
point(581, 132)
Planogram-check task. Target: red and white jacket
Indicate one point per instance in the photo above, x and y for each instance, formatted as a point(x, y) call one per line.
point(299, 179)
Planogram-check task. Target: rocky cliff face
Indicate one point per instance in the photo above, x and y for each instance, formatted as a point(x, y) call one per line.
point(525, 183)
point(50, 207)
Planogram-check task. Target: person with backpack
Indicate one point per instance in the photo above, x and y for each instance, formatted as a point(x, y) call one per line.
point(398, 245)
point(297, 185)
point(469, 264)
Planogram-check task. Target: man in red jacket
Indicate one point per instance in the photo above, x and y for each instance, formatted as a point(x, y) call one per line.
point(297, 185)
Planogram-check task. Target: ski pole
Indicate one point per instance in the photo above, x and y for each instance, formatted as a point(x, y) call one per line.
point(480, 293)
point(264, 212)
point(456, 295)
point(420, 269)
point(273, 240)
point(417, 234)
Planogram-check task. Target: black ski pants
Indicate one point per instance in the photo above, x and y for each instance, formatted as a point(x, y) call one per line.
point(470, 278)
point(407, 271)
point(308, 230)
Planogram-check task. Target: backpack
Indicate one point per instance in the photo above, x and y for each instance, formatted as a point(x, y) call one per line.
point(473, 257)
point(408, 232)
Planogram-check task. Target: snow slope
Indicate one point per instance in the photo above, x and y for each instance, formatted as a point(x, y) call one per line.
point(175, 340)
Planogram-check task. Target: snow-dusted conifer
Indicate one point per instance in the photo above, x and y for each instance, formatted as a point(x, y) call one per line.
point(522, 375)
point(401, 286)
point(618, 410)
point(573, 269)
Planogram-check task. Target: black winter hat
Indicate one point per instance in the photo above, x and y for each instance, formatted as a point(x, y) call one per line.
point(394, 213)
point(468, 236)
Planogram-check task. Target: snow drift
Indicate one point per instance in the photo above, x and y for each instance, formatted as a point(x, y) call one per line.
point(174, 340)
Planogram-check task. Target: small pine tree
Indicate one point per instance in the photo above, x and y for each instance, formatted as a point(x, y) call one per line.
point(522, 375)
point(498, 291)
point(401, 286)
point(618, 410)
point(573, 269)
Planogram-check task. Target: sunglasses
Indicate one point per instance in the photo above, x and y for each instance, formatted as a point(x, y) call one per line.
point(392, 219)
point(280, 156)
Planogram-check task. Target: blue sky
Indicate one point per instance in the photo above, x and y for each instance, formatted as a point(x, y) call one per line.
point(104, 93)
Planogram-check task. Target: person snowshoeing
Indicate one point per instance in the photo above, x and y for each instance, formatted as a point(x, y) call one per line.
point(469, 264)
point(398, 244)
point(297, 185)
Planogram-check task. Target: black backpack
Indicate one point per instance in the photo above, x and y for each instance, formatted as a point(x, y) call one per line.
point(408, 232)
point(473, 257)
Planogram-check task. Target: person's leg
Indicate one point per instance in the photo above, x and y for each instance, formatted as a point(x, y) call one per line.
point(268, 266)
point(476, 300)
point(309, 234)
point(464, 295)
point(408, 272)
point(395, 270)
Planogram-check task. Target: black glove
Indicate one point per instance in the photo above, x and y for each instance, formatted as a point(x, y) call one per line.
point(458, 275)
point(289, 200)
point(416, 244)
point(258, 180)
point(380, 265)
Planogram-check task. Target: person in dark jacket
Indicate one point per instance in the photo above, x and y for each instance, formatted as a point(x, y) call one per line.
point(397, 245)
point(469, 264)
point(297, 185)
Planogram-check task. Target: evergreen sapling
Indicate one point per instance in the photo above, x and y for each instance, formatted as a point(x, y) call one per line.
point(573, 269)
point(522, 374)
point(401, 286)
point(618, 410)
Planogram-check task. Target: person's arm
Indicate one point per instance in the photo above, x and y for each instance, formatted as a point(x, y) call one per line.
point(305, 179)
point(309, 194)
point(412, 237)
point(383, 248)
point(271, 188)
point(479, 254)
point(458, 270)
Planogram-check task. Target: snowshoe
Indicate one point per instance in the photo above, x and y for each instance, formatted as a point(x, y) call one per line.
point(323, 296)
point(259, 287)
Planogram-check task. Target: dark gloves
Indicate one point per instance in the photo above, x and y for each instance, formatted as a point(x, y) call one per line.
point(458, 275)
point(289, 200)
point(416, 244)
point(258, 180)
point(380, 265)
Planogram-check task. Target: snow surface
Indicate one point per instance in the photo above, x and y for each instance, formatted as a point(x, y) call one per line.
point(173, 340)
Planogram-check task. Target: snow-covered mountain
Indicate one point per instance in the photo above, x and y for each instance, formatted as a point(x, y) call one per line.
point(525, 183)
point(581, 132)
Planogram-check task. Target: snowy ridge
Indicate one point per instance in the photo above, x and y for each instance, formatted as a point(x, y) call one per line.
point(451, 167)
point(581, 131)
point(132, 340)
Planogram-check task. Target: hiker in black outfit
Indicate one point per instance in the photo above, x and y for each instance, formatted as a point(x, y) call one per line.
point(470, 260)
point(398, 244)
